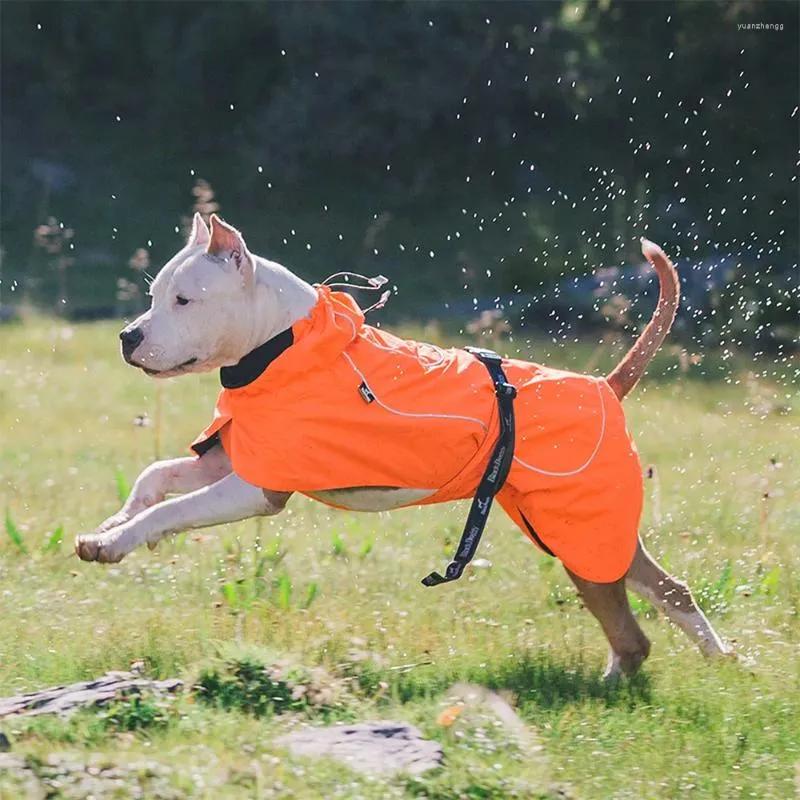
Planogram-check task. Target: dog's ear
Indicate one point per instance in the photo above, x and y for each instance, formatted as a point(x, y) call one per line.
point(200, 234)
point(226, 242)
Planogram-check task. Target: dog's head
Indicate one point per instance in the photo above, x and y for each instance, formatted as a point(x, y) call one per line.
point(202, 304)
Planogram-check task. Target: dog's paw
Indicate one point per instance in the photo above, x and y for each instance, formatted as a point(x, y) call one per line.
point(97, 547)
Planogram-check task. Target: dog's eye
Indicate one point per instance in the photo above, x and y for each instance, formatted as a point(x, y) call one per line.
point(181, 300)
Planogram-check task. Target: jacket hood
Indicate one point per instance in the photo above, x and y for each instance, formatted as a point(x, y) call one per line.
point(332, 324)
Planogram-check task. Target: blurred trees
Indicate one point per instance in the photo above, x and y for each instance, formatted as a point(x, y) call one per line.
point(393, 106)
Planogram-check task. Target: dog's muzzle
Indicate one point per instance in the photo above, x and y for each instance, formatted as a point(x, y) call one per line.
point(130, 338)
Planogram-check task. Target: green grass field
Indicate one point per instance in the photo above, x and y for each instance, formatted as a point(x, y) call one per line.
point(341, 591)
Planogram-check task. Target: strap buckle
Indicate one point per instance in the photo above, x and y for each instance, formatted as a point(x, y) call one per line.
point(494, 363)
point(505, 390)
point(485, 355)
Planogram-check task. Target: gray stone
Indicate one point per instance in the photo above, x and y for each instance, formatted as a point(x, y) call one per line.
point(63, 776)
point(65, 699)
point(11, 762)
point(5, 743)
point(374, 748)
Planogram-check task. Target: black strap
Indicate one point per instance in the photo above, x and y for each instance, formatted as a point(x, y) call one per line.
point(493, 478)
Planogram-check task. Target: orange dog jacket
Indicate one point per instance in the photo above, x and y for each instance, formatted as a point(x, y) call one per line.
point(343, 404)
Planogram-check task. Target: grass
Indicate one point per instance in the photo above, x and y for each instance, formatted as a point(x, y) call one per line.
point(341, 592)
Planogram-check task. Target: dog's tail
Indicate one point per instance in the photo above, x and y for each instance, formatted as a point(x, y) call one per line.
point(627, 373)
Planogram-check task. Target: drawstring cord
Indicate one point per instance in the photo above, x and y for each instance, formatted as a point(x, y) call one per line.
point(373, 284)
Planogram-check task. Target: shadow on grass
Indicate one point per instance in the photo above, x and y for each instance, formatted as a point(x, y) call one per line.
point(538, 680)
point(549, 683)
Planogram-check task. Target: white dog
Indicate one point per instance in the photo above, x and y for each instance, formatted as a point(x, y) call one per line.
point(215, 305)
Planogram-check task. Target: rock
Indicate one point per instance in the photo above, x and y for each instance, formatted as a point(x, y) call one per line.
point(63, 775)
point(376, 748)
point(5, 743)
point(14, 774)
point(64, 699)
point(11, 763)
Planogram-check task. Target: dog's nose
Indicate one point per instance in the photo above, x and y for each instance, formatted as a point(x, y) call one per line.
point(131, 338)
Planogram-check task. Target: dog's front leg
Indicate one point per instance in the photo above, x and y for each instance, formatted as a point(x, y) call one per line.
point(174, 476)
point(228, 500)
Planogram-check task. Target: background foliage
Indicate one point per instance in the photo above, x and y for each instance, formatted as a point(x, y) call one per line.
point(523, 139)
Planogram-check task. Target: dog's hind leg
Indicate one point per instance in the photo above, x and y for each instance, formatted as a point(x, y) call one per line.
point(609, 604)
point(650, 581)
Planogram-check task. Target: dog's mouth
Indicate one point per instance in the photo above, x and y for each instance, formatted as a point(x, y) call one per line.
point(176, 368)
